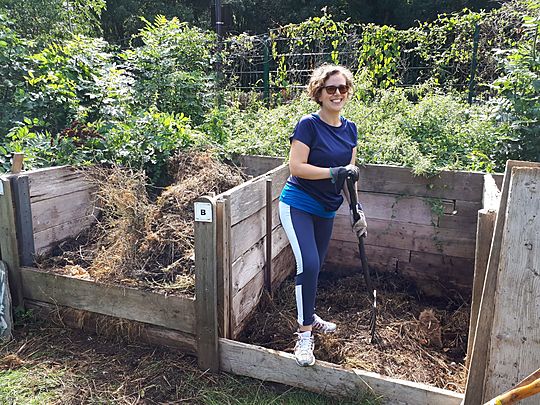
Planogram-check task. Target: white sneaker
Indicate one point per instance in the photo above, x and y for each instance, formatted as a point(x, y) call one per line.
point(323, 326)
point(303, 351)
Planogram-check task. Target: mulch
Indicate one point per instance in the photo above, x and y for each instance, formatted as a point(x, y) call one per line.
point(418, 339)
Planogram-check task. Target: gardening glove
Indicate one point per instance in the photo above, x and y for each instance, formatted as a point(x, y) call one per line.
point(339, 174)
point(359, 226)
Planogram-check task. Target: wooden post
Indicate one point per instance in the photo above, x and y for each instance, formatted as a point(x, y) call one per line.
point(17, 162)
point(8, 241)
point(23, 222)
point(6, 317)
point(515, 338)
point(206, 283)
point(268, 264)
point(480, 349)
point(223, 209)
point(484, 235)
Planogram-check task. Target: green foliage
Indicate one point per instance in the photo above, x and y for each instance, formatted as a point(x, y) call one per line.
point(380, 54)
point(518, 105)
point(50, 20)
point(437, 132)
point(173, 68)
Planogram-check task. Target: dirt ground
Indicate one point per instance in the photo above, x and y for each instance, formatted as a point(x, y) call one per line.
point(144, 239)
point(418, 339)
point(48, 363)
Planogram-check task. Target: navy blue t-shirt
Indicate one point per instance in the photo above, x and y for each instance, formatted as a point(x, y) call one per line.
point(329, 146)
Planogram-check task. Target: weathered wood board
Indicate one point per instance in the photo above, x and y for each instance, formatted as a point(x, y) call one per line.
point(97, 323)
point(515, 339)
point(172, 312)
point(479, 354)
point(326, 378)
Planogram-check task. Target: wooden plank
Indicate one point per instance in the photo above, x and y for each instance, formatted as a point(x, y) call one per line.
point(250, 230)
point(23, 222)
point(223, 240)
point(420, 238)
point(491, 195)
point(47, 239)
point(6, 315)
point(346, 255)
point(515, 337)
point(248, 198)
point(62, 208)
point(268, 238)
point(8, 241)
point(171, 311)
point(449, 271)
point(475, 378)
point(206, 287)
point(247, 299)
point(254, 165)
point(51, 182)
point(253, 261)
point(326, 378)
point(451, 185)
point(401, 208)
point(92, 322)
point(484, 235)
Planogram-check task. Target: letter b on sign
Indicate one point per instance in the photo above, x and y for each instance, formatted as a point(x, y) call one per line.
point(203, 212)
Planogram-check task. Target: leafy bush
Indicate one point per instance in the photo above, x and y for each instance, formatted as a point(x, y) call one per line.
point(438, 132)
point(173, 68)
point(518, 90)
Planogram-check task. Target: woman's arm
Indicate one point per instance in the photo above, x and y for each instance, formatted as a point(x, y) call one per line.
point(300, 168)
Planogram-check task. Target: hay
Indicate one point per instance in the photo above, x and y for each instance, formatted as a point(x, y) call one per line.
point(137, 241)
point(408, 327)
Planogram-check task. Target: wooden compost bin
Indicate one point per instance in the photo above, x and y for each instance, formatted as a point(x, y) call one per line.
point(40, 208)
point(423, 228)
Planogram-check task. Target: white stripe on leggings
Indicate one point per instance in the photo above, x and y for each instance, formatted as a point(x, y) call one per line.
point(286, 222)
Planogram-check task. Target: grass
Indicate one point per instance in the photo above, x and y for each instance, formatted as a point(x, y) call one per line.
point(46, 364)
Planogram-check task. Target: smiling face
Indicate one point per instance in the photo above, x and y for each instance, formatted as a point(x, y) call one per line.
point(333, 103)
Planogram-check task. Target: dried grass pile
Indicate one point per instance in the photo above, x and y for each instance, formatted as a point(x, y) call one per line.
point(418, 340)
point(141, 242)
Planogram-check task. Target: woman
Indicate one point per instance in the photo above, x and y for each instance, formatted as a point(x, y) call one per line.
point(322, 155)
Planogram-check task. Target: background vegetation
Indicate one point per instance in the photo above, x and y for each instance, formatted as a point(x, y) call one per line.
point(70, 96)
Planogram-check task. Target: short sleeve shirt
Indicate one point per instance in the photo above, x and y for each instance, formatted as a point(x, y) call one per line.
point(329, 146)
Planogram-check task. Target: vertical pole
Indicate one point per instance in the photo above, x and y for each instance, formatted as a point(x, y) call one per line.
point(474, 62)
point(266, 71)
point(223, 210)
point(23, 222)
point(219, 32)
point(268, 266)
point(206, 283)
point(8, 242)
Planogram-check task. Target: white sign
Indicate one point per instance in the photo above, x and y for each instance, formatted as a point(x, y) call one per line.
point(1, 187)
point(203, 212)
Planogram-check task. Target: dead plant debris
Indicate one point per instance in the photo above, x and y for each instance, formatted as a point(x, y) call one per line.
point(420, 340)
point(139, 241)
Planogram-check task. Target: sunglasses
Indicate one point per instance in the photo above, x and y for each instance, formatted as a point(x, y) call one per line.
point(343, 89)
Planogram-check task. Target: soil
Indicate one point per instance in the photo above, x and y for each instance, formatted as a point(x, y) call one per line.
point(417, 339)
point(142, 240)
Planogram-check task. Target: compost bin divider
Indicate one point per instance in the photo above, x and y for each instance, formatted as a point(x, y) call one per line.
point(206, 298)
point(8, 241)
point(223, 238)
point(268, 264)
point(484, 322)
point(25, 234)
point(484, 235)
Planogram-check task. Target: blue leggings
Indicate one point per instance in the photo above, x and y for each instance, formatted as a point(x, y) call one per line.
point(309, 236)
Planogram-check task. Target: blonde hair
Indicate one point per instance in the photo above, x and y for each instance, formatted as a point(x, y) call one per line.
point(321, 74)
